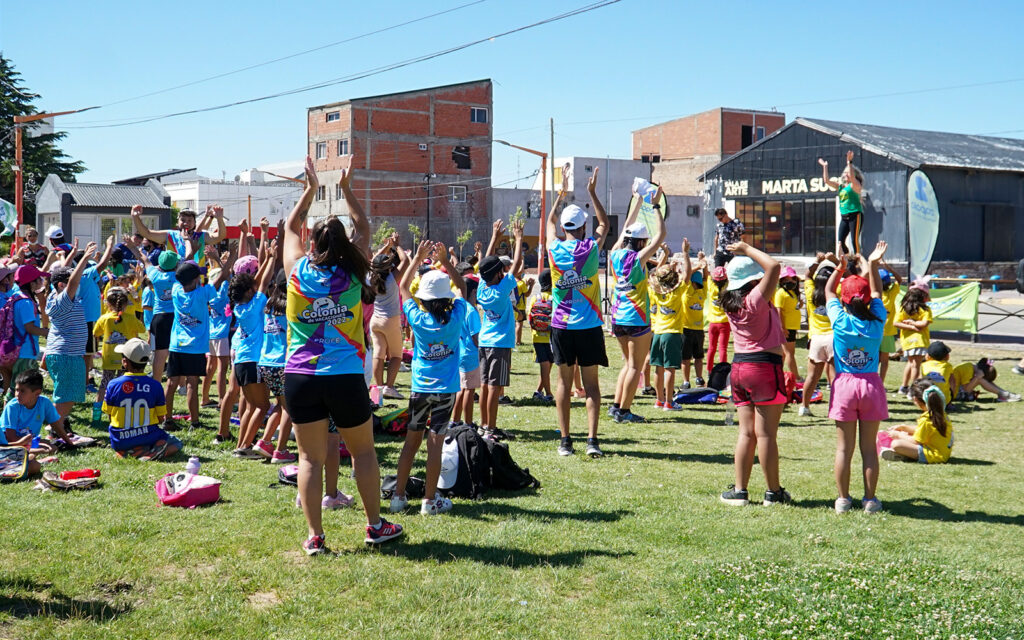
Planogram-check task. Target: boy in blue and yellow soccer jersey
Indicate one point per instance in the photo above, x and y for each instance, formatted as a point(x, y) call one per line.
point(135, 404)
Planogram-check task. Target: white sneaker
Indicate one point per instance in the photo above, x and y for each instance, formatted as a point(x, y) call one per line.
point(843, 505)
point(1009, 397)
point(804, 411)
point(874, 505)
point(404, 368)
point(398, 504)
point(391, 392)
point(435, 507)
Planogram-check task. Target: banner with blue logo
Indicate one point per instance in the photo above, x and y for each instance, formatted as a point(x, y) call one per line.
point(923, 222)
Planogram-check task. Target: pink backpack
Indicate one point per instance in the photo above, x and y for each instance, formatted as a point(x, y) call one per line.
point(10, 340)
point(182, 489)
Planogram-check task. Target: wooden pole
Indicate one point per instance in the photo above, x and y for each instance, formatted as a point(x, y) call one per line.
point(250, 214)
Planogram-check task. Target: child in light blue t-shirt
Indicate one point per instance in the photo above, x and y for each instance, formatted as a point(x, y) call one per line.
point(23, 418)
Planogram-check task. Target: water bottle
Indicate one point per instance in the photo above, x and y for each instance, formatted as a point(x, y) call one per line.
point(730, 410)
point(97, 413)
point(193, 466)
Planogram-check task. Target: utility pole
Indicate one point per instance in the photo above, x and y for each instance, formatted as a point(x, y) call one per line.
point(426, 178)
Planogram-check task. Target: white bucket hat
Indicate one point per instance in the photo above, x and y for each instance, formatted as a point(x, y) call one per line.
point(433, 285)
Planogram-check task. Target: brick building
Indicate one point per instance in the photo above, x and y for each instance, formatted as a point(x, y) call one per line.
point(420, 157)
point(682, 150)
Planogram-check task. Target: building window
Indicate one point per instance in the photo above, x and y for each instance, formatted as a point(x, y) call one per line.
point(478, 114)
point(791, 227)
point(760, 134)
point(746, 136)
point(460, 156)
point(456, 193)
point(321, 192)
point(321, 150)
point(343, 147)
point(333, 116)
point(339, 193)
point(693, 210)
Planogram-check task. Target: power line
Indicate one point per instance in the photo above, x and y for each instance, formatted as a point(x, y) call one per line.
point(902, 93)
point(361, 74)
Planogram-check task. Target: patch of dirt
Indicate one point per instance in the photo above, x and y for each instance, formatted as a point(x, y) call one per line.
point(115, 587)
point(263, 600)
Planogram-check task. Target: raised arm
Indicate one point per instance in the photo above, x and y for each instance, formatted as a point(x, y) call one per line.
point(159, 237)
point(517, 253)
point(225, 265)
point(453, 273)
point(874, 279)
point(76, 274)
point(403, 257)
point(360, 223)
point(601, 232)
point(833, 280)
point(261, 254)
point(421, 252)
point(266, 270)
point(824, 174)
point(771, 267)
point(293, 246)
point(552, 222)
point(243, 239)
point(854, 183)
point(631, 217)
point(687, 265)
point(105, 258)
point(222, 229)
point(497, 231)
point(659, 233)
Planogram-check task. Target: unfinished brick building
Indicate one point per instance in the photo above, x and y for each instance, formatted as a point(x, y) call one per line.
point(420, 157)
point(681, 150)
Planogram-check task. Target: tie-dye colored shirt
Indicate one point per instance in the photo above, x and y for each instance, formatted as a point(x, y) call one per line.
point(176, 243)
point(575, 291)
point(325, 321)
point(631, 303)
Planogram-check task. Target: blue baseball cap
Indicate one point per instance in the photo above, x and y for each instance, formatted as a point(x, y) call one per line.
point(886, 277)
point(742, 270)
point(697, 276)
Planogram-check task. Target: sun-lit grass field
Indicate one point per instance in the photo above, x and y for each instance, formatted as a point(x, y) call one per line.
point(634, 545)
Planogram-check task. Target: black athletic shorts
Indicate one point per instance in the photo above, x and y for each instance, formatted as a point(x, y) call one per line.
point(246, 373)
point(791, 335)
point(542, 352)
point(496, 366)
point(630, 331)
point(435, 406)
point(343, 398)
point(160, 327)
point(186, 364)
point(693, 344)
point(584, 347)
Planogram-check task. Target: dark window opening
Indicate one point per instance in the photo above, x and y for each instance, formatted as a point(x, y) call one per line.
point(460, 156)
point(746, 136)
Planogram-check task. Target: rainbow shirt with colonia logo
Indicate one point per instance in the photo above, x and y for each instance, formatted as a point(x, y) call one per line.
point(176, 243)
point(575, 292)
point(631, 304)
point(325, 321)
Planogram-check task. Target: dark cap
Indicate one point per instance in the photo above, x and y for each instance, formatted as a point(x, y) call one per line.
point(186, 272)
point(938, 350)
point(490, 267)
point(545, 280)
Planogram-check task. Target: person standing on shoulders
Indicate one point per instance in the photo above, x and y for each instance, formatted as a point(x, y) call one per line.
point(850, 186)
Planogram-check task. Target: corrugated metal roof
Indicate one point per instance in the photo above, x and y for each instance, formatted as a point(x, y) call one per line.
point(111, 195)
point(917, 148)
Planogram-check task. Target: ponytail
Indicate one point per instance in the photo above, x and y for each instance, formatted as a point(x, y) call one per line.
point(440, 309)
point(331, 249)
point(860, 309)
point(732, 301)
point(925, 391)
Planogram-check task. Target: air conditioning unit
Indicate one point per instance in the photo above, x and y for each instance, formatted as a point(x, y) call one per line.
point(423, 146)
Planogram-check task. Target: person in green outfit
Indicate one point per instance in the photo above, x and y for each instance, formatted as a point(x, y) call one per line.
point(850, 185)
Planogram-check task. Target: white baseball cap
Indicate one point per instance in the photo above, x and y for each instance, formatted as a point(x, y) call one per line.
point(54, 232)
point(435, 284)
point(637, 230)
point(136, 350)
point(573, 217)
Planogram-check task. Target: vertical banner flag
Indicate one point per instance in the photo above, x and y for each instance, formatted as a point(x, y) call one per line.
point(923, 222)
point(8, 217)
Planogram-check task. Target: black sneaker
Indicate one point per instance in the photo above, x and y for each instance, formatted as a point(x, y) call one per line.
point(171, 425)
point(649, 391)
point(777, 497)
point(593, 450)
point(218, 440)
point(613, 411)
point(505, 400)
point(735, 497)
point(701, 382)
point(625, 415)
point(494, 433)
point(565, 447)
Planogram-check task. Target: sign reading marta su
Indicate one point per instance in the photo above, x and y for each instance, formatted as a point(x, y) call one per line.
point(776, 187)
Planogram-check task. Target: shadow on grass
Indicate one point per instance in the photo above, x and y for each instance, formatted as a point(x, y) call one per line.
point(551, 434)
point(40, 600)
point(477, 511)
point(706, 458)
point(928, 509)
point(443, 552)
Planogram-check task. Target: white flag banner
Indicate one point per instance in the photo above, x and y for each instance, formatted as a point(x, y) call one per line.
point(9, 217)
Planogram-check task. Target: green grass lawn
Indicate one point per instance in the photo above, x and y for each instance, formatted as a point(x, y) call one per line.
point(633, 545)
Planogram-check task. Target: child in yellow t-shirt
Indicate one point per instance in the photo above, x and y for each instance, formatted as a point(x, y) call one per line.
point(694, 297)
point(787, 301)
point(523, 289)
point(967, 377)
point(890, 291)
point(719, 330)
point(936, 368)
point(819, 327)
point(115, 327)
point(540, 325)
point(912, 319)
point(931, 440)
point(667, 320)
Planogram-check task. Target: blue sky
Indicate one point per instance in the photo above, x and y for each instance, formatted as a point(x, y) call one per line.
point(625, 66)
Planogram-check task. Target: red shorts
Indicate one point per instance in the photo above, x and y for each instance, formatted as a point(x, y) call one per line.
point(758, 383)
point(858, 396)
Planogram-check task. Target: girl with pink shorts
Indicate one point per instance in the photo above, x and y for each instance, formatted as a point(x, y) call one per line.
point(758, 388)
point(858, 396)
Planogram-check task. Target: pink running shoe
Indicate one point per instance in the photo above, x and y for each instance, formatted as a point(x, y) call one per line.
point(264, 449)
point(384, 532)
point(337, 501)
point(315, 546)
point(283, 457)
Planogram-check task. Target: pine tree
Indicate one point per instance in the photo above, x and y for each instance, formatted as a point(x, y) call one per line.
point(40, 154)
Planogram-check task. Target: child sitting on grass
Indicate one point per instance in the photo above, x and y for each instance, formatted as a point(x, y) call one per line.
point(967, 377)
point(135, 404)
point(936, 368)
point(931, 441)
point(24, 416)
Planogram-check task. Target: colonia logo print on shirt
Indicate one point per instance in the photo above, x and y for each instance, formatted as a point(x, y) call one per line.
point(572, 280)
point(325, 310)
point(438, 351)
point(856, 358)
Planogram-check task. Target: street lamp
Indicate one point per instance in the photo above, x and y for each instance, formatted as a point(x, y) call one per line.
point(543, 197)
point(426, 178)
point(19, 168)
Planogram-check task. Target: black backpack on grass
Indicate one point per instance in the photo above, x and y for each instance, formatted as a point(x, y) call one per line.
point(719, 377)
point(467, 452)
point(414, 488)
point(505, 473)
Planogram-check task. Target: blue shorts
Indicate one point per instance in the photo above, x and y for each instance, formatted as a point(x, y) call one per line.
point(68, 374)
point(920, 455)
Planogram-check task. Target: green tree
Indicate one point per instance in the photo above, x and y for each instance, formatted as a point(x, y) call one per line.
point(41, 155)
point(462, 239)
point(383, 232)
point(417, 233)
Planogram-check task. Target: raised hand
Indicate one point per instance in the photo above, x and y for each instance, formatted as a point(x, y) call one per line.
point(136, 210)
point(218, 210)
point(565, 177)
point(517, 229)
point(592, 183)
point(243, 226)
point(686, 245)
point(823, 162)
point(497, 228)
point(879, 252)
point(346, 171)
point(739, 248)
point(264, 223)
point(426, 246)
point(90, 249)
point(478, 246)
point(849, 157)
point(311, 179)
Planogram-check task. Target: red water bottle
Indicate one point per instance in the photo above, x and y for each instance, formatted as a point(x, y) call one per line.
point(79, 473)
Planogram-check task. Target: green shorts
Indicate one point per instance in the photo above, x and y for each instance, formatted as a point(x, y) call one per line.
point(888, 344)
point(667, 350)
